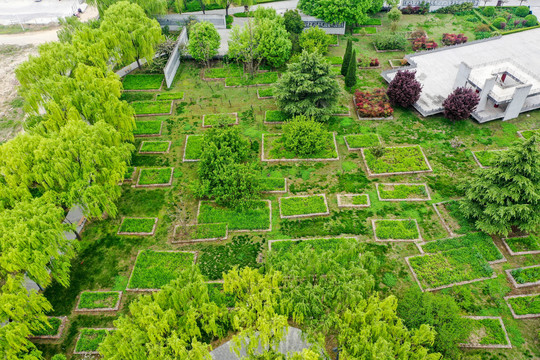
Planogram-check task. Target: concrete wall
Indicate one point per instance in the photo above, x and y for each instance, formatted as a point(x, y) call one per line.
point(335, 29)
point(173, 63)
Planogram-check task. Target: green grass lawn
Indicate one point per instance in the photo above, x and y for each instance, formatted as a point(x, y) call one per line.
point(154, 146)
point(274, 149)
point(526, 305)
point(147, 127)
point(155, 176)
point(90, 340)
point(396, 230)
point(276, 116)
point(266, 91)
point(272, 184)
point(151, 107)
point(255, 217)
point(258, 79)
point(137, 225)
point(137, 96)
point(396, 160)
point(143, 82)
point(98, 299)
point(154, 269)
point(487, 332)
point(216, 119)
point(487, 157)
point(193, 149)
point(303, 205)
point(170, 96)
point(362, 140)
point(483, 243)
point(403, 191)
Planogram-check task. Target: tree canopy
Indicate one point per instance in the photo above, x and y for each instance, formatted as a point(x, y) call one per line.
point(204, 42)
point(337, 11)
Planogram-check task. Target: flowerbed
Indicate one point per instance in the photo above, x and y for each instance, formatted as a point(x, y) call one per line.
point(525, 305)
point(396, 229)
point(453, 39)
point(130, 173)
point(157, 176)
point(154, 269)
point(151, 107)
point(483, 243)
point(486, 158)
point(258, 79)
point(137, 225)
point(508, 18)
point(265, 92)
point(449, 267)
point(403, 191)
point(276, 116)
point(52, 330)
point(154, 146)
point(362, 141)
point(361, 199)
point(523, 244)
point(193, 149)
point(209, 231)
point(254, 217)
point(241, 252)
point(216, 119)
point(170, 96)
point(526, 275)
point(423, 43)
point(136, 96)
point(374, 104)
point(89, 340)
point(275, 150)
point(143, 82)
point(268, 184)
point(396, 160)
point(486, 332)
point(92, 300)
point(147, 127)
point(303, 206)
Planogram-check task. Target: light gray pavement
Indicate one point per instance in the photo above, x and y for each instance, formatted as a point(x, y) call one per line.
point(32, 12)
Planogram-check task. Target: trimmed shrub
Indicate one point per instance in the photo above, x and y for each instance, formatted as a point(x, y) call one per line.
point(404, 90)
point(531, 20)
point(390, 42)
point(522, 11)
point(346, 58)
point(394, 15)
point(304, 135)
point(315, 39)
point(498, 22)
point(350, 79)
point(489, 11)
point(460, 104)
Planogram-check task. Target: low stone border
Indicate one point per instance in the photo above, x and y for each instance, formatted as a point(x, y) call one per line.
point(430, 169)
point(514, 315)
point(398, 200)
point(493, 276)
point(154, 152)
point(419, 238)
point(137, 233)
point(383, 51)
point(354, 149)
point(198, 240)
point(342, 204)
point(79, 338)
point(532, 252)
point(114, 308)
point(298, 159)
point(395, 66)
point(278, 191)
point(152, 135)
point(327, 212)
point(148, 90)
point(195, 253)
point(159, 114)
point(492, 346)
point(263, 97)
point(514, 282)
point(445, 225)
point(154, 185)
point(185, 147)
point(478, 161)
point(270, 242)
point(269, 202)
point(369, 67)
point(60, 332)
point(209, 126)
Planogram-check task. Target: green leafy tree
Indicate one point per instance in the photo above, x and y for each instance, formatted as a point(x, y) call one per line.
point(346, 58)
point(136, 36)
point(315, 39)
point(177, 322)
point(304, 136)
point(506, 197)
point(273, 43)
point(227, 3)
point(376, 6)
point(350, 79)
point(308, 88)
point(394, 15)
point(243, 46)
point(204, 42)
point(293, 22)
point(332, 11)
point(150, 7)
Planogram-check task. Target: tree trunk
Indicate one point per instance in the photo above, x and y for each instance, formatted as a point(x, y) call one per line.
point(226, 10)
point(138, 63)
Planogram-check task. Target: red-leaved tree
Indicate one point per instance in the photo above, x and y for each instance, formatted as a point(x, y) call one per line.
point(460, 104)
point(404, 90)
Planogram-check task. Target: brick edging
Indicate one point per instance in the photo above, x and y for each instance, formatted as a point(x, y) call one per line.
point(137, 233)
point(399, 200)
point(341, 205)
point(532, 252)
point(299, 159)
point(492, 346)
point(199, 240)
point(155, 152)
point(418, 239)
point(154, 185)
point(515, 283)
point(514, 315)
point(326, 213)
point(79, 338)
point(152, 135)
point(185, 148)
point(159, 114)
point(114, 308)
point(58, 335)
point(430, 169)
point(232, 124)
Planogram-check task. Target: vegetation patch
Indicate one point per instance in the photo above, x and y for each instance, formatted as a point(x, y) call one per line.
point(50, 331)
point(170, 96)
point(232, 70)
point(487, 332)
point(139, 226)
point(395, 160)
point(403, 192)
point(268, 184)
point(482, 242)
point(265, 93)
point(255, 217)
point(154, 147)
point(152, 107)
point(396, 230)
point(89, 340)
point(130, 173)
point(372, 104)
point(275, 116)
point(154, 269)
point(342, 110)
point(274, 150)
point(218, 119)
point(529, 275)
point(132, 96)
point(335, 60)
point(246, 80)
point(365, 30)
point(524, 306)
point(99, 300)
point(202, 232)
point(527, 134)
point(218, 295)
point(298, 206)
point(449, 268)
point(486, 158)
point(353, 200)
point(193, 148)
point(143, 82)
point(523, 245)
point(241, 252)
point(147, 128)
point(358, 141)
point(155, 177)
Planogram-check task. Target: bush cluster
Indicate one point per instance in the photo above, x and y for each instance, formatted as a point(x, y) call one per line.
point(304, 135)
point(453, 39)
point(390, 42)
point(423, 43)
point(404, 90)
point(365, 61)
point(372, 104)
point(456, 8)
point(422, 9)
point(499, 23)
point(460, 104)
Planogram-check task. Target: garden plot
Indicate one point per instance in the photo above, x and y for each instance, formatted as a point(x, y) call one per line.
point(449, 268)
point(488, 332)
point(192, 148)
point(143, 82)
point(275, 117)
point(259, 79)
point(525, 276)
point(486, 158)
point(303, 206)
point(524, 306)
point(89, 340)
point(137, 96)
point(358, 141)
point(522, 245)
point(209, 120)
point(274, 151)
point(257, 217)
point(148, 128)
point(452, 218)
point(271, 185)
point(403, 192)
point(152, 108)
point(155, 177)
point(222, 73)
point(526, 134)
point(200, 232)
point(138, 226)
point(396, 230)
point(155, 269)
point(265, 93)
point(155, 147)
point(99, 301)
point(170, 96)
point(396, 160)
point(482, 242)
point(55, 331)
point(353, 200)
